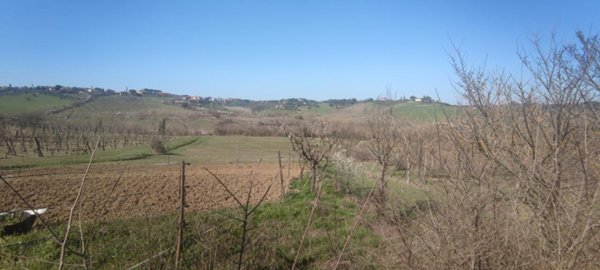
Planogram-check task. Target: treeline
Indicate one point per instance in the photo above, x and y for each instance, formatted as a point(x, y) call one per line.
point(338, 103)
point(55, 90)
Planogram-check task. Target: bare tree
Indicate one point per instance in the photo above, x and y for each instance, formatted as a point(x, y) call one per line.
point(385, 139)
point(247, 210)
point(520, 169)
point(314, 144)
point(76, 204)
point(536, 136)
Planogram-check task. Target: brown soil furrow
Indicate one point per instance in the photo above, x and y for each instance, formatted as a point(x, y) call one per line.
point(141, 191)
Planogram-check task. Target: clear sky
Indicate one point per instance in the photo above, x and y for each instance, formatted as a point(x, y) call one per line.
point(272, 49)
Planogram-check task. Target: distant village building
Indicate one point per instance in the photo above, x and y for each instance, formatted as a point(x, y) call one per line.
point(149, 92)
point(416, 99)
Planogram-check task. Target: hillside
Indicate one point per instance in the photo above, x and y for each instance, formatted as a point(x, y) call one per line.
point(413, 111)
point(142, 113)
point(27, 103)
point(185, 116)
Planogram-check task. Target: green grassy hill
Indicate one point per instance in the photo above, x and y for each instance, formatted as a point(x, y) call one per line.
point(418, 112)
point(145, 113)
point(26, 103)
point(138, 112)
point(421, 112)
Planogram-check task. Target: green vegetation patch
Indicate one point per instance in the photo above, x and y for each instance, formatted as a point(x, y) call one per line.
point(124, 154)
point(421, 112)
point(199, 150)
point(230, 149)
point(26, 103)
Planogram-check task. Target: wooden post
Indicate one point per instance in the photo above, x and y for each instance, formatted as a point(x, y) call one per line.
point(39, 147)
point(10, 147)
point(427, 156)
point(181, 222)
point(301, 166)
point(289, 164)
point(237, 154)
point(407, 170)
point(281, 175)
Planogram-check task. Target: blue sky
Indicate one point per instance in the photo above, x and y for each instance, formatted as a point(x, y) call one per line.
point(272, 49)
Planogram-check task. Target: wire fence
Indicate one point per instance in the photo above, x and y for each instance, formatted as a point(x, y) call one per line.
point(115, 195)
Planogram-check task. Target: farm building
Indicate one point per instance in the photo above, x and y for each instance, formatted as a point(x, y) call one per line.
point(150, 92)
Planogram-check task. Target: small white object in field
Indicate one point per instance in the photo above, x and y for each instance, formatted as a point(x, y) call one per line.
point(36, 211)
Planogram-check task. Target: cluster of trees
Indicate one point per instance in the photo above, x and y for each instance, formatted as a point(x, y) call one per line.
point(296, 103)
point(516, 175)
point(339, 103)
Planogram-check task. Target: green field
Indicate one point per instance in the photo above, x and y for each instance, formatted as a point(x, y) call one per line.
point(228, 149)
point(420, 112)
point(112, 104)
point(199, 150)
point(416, 112)
point(25, 103)
point(323, 109)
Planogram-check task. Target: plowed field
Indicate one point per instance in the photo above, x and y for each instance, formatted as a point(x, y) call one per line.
point(113, 191)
